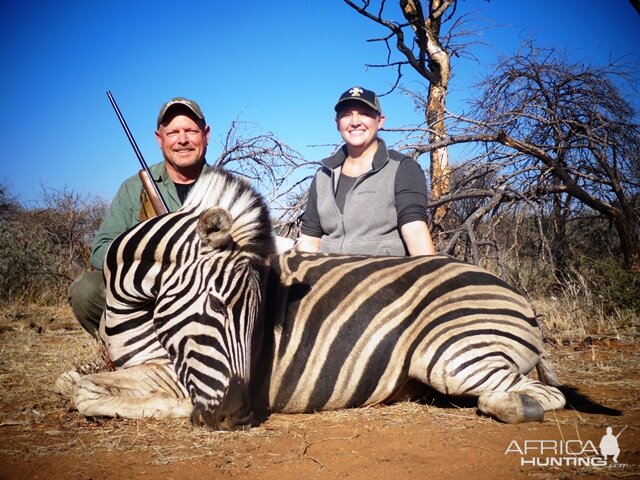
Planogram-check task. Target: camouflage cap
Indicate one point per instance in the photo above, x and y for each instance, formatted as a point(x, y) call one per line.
point(190, 104)
point(360, 94)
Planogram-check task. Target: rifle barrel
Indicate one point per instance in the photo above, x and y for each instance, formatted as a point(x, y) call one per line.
point(625, 427)
point(132, 140)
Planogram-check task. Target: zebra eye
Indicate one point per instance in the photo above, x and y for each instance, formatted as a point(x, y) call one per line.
point(217, 306)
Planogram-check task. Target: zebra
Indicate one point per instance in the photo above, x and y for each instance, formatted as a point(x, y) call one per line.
point(179, 286)
point(204, 321)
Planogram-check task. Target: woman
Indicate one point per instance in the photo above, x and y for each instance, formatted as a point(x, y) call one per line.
point(366, 199)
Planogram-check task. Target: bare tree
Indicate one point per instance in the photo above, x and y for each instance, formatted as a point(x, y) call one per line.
point(9, 205)
point(70, 220)
point(570, 123)
point(420, 40)
point(556, 153)
point(278, 171)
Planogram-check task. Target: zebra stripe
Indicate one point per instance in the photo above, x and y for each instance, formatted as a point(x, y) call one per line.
point(350, 331)
point(177, 295)
point(187, 299)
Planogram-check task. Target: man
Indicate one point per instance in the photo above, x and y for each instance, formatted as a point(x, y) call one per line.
point(183, 135)
point(366, 199)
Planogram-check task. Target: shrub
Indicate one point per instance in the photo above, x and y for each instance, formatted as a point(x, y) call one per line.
point(44, 248)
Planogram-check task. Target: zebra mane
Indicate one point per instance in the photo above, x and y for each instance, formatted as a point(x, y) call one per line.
point(251, 229)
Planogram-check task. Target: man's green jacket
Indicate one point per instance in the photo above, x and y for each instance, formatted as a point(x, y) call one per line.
point(124, 212)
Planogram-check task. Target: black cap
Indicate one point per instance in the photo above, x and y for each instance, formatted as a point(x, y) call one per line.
point(360, 94)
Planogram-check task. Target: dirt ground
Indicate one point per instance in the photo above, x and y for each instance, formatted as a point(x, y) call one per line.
point(42, 438)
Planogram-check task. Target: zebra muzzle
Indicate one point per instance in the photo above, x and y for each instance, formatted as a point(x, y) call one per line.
point(232, 414)
point(216, 421)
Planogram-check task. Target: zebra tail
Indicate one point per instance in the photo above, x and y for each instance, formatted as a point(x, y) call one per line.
point(546, 372)
point(575, 399)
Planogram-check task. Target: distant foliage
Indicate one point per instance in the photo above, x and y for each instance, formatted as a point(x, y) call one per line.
point(42, 249)
point(615, 287)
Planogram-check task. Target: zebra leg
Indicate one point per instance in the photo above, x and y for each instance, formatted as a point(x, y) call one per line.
point(503, 391)
point(66, 382)
point(524, 400)
point(142, 391)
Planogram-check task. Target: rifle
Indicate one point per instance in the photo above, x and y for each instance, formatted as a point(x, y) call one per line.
point(625, 427)
point(158, 203)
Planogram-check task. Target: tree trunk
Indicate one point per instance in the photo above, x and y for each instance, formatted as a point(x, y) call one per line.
point(439, 170)
point(629, 239)
point(558, 240)
point(436, 68)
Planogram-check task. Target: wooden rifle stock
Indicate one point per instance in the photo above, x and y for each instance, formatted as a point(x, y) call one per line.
point(157, 202)
point(153, 194)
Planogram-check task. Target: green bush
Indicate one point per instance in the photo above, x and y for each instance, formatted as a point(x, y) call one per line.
point(615, 287)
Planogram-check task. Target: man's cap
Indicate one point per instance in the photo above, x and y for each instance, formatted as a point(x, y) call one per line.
point(360, 94)
point(190, 104)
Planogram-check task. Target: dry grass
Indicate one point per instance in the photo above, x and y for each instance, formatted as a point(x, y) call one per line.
point(39, 343)
point(574, 316)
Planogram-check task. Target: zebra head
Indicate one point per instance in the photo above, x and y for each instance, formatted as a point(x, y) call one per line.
point(207, 309)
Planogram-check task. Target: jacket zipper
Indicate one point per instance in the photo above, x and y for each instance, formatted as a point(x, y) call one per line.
point(358, 181)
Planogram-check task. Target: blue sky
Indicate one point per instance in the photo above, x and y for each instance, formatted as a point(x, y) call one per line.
point(280, 65)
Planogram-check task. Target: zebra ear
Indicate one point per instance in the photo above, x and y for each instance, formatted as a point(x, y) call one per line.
point(214, 227)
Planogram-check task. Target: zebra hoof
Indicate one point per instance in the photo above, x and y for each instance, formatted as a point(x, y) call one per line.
point(65, 383)
point(511, 407)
